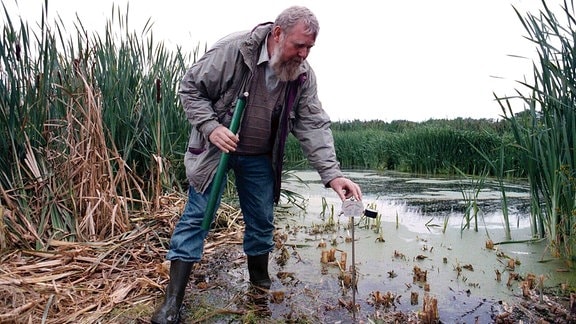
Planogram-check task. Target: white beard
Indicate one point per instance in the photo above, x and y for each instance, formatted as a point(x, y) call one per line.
point(285, 71)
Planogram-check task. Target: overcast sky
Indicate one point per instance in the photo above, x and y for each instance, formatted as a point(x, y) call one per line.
point(386, 60)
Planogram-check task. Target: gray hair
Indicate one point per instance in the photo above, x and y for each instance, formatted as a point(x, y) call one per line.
point(295, 14)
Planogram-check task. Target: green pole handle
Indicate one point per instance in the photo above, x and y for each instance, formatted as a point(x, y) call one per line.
point(222, 165)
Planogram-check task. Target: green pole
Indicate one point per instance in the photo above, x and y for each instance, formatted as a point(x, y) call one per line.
point(222, 165)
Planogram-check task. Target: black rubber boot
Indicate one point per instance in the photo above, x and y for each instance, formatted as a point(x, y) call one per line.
point(169, 312)
point(258, 269)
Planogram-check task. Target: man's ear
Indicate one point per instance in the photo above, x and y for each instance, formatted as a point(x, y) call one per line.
point(276, 32)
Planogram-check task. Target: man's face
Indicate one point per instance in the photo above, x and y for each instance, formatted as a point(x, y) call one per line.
point(291, 50)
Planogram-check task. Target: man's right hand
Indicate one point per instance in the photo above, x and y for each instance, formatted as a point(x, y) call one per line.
point(224, 139)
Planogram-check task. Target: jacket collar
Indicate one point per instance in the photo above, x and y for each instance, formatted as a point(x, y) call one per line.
point(250, 48)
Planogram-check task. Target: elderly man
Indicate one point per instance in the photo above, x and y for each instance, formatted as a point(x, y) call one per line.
point(269, 63)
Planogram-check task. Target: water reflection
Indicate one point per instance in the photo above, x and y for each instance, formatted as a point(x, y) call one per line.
point(413, 199)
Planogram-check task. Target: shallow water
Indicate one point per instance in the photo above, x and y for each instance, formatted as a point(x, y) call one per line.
point(421, 225)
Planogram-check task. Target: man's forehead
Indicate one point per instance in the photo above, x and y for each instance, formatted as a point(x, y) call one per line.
point(299, 34)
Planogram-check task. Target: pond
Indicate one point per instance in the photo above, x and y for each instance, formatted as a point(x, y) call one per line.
point(421, 225)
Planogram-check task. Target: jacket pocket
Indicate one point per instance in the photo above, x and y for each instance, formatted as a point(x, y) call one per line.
point(196, 143)
point(195, 154)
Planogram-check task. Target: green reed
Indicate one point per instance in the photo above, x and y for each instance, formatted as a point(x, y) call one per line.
point(433, 147)
point(501, 174)
point(91, 128)
point(545, 131)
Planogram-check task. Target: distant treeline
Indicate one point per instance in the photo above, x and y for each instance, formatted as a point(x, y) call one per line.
point(436, 146)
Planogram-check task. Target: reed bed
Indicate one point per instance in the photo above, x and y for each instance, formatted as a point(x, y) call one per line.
point(545, 131)
point(434, 147)
point(91, 129)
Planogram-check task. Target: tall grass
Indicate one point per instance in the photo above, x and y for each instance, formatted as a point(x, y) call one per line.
point(470, 199)
point(546, 130)
point(90, 128)
point(432, 147)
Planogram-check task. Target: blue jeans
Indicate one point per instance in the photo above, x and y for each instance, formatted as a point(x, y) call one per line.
point(255, 187)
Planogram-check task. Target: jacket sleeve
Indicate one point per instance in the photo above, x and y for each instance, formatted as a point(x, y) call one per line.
point(204, 84)
point(311, 126)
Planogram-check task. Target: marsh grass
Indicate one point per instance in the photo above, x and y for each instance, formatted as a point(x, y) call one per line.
point(90, 127)
point(327, 214)
point(545, 131)
point(500, 174)
point(470, 195)
point(432, 147)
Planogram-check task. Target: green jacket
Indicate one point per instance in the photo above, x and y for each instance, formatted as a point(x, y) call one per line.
point(209, 91)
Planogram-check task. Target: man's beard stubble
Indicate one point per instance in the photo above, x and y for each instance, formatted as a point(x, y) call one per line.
point(285, 71)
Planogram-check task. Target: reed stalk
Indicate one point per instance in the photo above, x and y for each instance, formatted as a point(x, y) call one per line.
point(546, 129)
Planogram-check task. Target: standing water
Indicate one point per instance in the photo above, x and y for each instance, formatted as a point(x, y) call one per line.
point(421, 245)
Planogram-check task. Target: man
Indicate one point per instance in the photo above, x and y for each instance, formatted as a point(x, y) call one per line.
point(269, 63)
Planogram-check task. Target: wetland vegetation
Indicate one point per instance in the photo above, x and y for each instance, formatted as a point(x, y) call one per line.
point(91, 177)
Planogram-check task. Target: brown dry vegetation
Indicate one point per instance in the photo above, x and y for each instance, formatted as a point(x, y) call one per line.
point(91, 282)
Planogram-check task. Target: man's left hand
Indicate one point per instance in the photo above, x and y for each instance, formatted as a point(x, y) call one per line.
point(346, 188)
